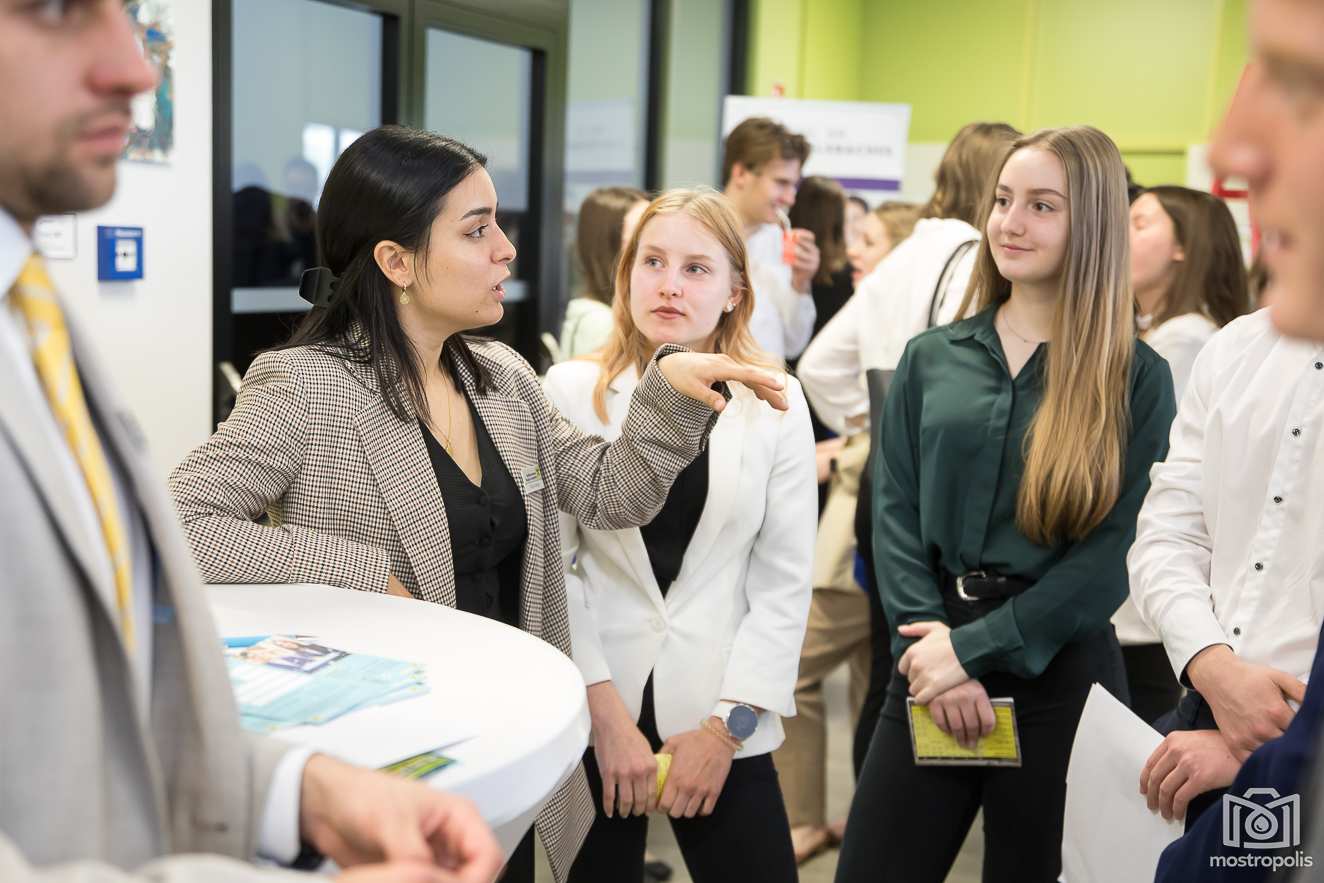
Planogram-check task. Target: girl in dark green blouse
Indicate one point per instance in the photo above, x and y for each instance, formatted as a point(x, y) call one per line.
point(1013, 457)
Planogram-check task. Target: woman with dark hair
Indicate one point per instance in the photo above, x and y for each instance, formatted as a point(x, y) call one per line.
point(820, 207)
point(1189, 280)
point(391, 452)
point(606, 218)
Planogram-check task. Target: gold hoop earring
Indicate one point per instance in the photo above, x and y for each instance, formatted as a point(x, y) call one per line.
point(404, 296)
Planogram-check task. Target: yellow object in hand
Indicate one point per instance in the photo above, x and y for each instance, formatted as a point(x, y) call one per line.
point(663, 767)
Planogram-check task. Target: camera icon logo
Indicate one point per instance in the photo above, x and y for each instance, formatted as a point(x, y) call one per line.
point(1261, 819)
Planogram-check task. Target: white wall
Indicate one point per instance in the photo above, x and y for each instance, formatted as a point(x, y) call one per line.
point(155, 333)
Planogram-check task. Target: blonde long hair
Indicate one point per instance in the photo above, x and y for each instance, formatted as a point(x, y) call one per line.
point(1076, 443)
point(627, 345)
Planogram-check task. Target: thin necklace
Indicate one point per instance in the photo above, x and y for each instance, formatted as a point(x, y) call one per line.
point(1006, 320)
point(446, 442)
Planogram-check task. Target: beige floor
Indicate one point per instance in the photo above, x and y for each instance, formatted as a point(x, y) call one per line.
point(840, 782)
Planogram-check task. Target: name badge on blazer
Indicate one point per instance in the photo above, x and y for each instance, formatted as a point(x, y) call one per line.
point(530, 479)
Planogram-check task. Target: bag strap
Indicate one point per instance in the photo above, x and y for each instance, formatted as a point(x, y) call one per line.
point(945, 279)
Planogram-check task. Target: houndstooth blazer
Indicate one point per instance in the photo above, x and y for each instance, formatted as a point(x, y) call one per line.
point(351, 494)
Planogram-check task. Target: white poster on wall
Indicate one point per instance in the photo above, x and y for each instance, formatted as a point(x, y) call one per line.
point(861, 144)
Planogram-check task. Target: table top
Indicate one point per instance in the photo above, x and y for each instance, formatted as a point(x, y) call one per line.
point(517, 703)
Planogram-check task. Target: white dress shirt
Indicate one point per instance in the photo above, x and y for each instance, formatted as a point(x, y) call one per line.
point(279, 835)
point(1228, 545)
point(890, 305)
point(783, 318)
point(1178, 340)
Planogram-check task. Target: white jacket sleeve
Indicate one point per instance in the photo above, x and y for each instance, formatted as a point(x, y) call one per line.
point(832, 372)
point(1170, 560)
point(765, 657)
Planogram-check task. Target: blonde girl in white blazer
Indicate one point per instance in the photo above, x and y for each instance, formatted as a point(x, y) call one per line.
point(684, 668)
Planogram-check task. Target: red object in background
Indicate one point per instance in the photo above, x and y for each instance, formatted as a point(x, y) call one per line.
point(1222, 191)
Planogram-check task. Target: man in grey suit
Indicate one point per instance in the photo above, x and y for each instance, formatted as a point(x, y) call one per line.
point(121, 755)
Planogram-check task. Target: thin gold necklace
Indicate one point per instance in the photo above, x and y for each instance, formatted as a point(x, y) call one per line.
point(446, 442)
point(1006, 320)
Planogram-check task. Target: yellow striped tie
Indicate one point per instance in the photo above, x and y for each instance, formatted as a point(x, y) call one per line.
point(34, 295)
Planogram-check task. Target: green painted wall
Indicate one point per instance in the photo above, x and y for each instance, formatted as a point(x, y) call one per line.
point(1154, 74)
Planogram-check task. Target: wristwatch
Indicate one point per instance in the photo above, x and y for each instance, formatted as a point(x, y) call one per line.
point(741, 720)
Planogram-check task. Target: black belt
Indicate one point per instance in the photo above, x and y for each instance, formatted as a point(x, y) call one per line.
point(982, 585)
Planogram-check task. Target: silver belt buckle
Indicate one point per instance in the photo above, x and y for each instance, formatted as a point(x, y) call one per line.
point(960, 585)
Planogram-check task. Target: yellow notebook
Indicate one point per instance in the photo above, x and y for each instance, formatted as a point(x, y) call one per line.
point(663, 768)
point(932, 746)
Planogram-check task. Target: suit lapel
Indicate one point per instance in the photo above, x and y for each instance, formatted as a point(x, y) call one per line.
point(126, 447)
point(725, 449)
point(399, 461)
point(59, 495)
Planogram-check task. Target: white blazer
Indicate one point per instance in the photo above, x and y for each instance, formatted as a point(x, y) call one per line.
point(732, 624)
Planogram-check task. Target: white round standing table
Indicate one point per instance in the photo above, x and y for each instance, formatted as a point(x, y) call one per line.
point(517, 703)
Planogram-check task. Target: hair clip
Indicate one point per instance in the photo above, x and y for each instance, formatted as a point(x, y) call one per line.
point(317, 285)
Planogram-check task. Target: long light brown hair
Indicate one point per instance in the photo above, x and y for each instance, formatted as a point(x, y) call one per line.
point(1076, 443)
point(975, 154)
point(598, 236)
point(1211, 278)
point(627, 345)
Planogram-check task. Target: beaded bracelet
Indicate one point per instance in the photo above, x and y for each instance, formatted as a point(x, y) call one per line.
point(721, 733)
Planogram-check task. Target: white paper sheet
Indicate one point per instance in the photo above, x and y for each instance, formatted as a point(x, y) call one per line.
point(1110, 834)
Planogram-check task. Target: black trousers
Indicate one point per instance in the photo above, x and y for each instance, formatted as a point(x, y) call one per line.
point(520, 867)
point(1192, 713)
point(907, 822)
point(1153, 687)
point(880, 673)
point(747, 837)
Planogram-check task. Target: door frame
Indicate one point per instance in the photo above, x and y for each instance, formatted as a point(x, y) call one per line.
point(546, 38)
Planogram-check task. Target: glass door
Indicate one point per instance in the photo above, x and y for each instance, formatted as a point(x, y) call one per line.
point(495, 83)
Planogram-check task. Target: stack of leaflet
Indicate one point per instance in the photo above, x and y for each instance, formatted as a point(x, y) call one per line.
point(293, 680)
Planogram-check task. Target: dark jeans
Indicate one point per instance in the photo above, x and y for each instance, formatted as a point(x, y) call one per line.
point(1153, 687)
point(1192, 713)
point(908, 822)
point(747, 837)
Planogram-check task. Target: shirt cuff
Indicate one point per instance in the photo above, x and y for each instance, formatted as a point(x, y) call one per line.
point(1187, 627)
point(278, 836)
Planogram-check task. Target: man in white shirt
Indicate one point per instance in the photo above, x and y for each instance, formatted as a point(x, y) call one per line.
point(120, 751)
point(1261, 547)
point(761, 166)
point(1227, 565)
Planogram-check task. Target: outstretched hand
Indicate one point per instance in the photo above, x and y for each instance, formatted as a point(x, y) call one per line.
point(694, 374)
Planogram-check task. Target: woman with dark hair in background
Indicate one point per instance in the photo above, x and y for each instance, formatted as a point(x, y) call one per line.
point(392, 452)
point(820, 207)
point(1189, 281)
point(606, 218)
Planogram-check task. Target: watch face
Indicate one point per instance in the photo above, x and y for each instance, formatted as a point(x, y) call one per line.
point(742, 722)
